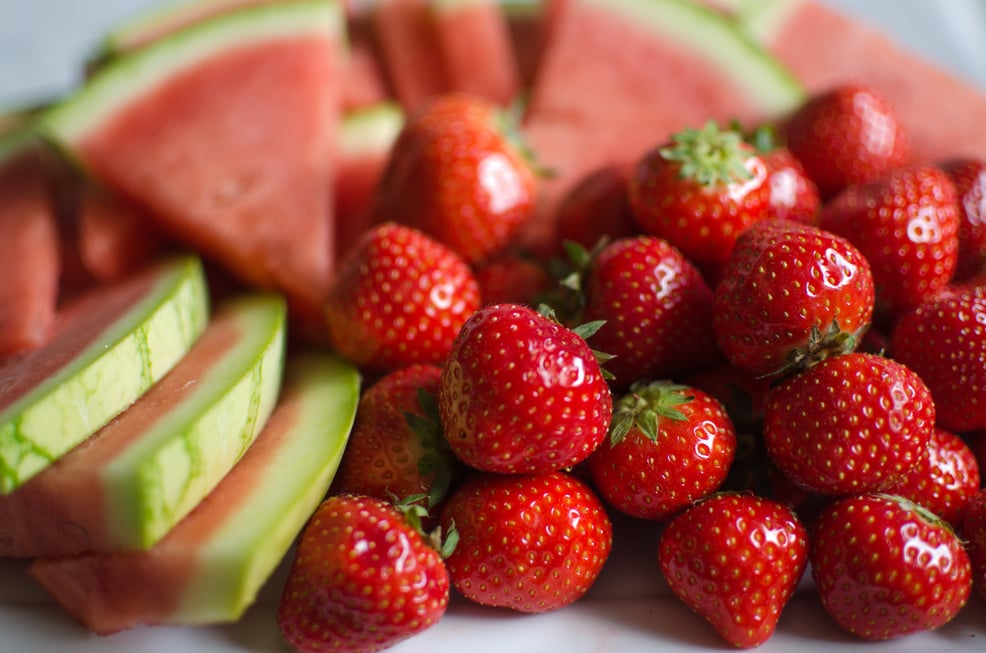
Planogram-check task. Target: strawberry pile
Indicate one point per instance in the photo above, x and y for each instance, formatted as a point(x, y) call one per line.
point(770, 343)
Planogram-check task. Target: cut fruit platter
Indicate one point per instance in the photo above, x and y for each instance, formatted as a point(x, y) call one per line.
point(198, 230)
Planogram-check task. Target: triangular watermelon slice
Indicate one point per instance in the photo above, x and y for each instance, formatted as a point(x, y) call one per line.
point(226, 132)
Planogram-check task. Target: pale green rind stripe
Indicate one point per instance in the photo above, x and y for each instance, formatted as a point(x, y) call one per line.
point(113, 371)
point(237, 560)
point(371, 129)
point(162, 476)
point(763, 18)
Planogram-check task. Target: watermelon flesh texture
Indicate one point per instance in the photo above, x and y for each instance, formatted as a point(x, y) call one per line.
point(126, 486)
point(617, 78)
point(409, 50)
point(211, 566)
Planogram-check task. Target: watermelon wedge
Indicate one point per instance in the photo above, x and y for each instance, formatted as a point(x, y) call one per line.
point(126, 486)
point(617, 77)
point(120, 338)
point(409, 50)
point(225, 131)
point(209, 568)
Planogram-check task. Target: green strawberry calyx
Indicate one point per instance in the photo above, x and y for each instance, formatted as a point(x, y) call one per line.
point(820, 346)
point(710, 156)
point(645, 405)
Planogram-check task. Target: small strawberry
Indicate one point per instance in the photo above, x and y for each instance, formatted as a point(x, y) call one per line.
point(669, 445)
point(969, 177)
point(793, 194)
point(847, 135)
point(944, 341)
point(520, 393)
point(531, 543)
point(363, 579)
point(906, 224)
point(699, 191)
point(735, 560)
point(458, 173)
point(597, 207)
point(884, 567)
point(974, 534)
point(399, 297)
point(791, 294)
point(850, 423)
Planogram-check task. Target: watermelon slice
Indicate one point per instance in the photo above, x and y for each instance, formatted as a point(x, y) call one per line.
point(210, 567)
point(121, 339)
point(225, 131)
point(411, 55)
point(617, 77)
point(126, 486)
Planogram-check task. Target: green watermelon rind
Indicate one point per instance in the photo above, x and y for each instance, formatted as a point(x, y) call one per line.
point(111, 373)
point(161, 476)
point(127, 78)
point(370, 129)
point(242, 554)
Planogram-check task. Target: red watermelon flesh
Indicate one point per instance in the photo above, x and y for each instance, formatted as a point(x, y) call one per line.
point(116, 236)
point(410, 51)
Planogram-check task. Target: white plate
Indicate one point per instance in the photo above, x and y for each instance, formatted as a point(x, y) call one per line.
point(630, 608)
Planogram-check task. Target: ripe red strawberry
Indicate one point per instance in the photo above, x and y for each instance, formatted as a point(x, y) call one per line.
point(520, 393)
point(362, 580)
point(657, 310)
point(848, 135)
point(399, 297)
point(699, 191)
point(531, 543)
point(906, 224)
point(974, 534)
point(597, 207)
point(669, 445)
point(735, 560)
point(944, 341)
point(396, 449)
point(969, 177)
point(458, 173)
point(851, 423)
point(885, 567)
point(790, 295)
point(793, 194)
point(510, 277)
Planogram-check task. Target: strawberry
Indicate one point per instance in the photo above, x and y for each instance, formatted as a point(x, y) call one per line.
point(399, 297)
point(944, 341)
point(906, 224)
point(845, 136)
point(699, 191)
point(458, 172)
point(669, 445)
point(597, 207)
point(969, 177)
point(735, 560)
point(974, 534)
point(851, 423)
point(791, 294)
point(520, 393)
point(363, 579)
point(656, 306)
point(528, 542)
point(511, 277)
point(884, 567)
point(793, 194)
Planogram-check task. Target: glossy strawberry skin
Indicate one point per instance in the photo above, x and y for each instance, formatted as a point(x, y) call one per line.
point(361, 581)
point(969, 177)
point(454, 174)
point(399, 297)
point(793, 194)
point(884, 569)
point(851, 423)
point(944, 341)
point(735, 559)
point(974, 533)
point(906, 224)
point(530, 543)
point(520, 393)
point(846, 136)
point(791, 294)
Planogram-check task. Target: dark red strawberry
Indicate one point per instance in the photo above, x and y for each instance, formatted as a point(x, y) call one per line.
point(597, 207)
point(791, 294)
point(531, 543)
point(793, 194)
point(669, 445)
point(742, 393)
point(974, 534)
point(885, 567)
point(969, 177)
point(735, 560)
point(512, 278)
point(520, 393)
point(399, 297)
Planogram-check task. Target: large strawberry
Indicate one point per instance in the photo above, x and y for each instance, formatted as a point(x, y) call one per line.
point(791, 294)
point(969, 177)
point(944, 341)
point(735, 559)
point(851, 423)
point(520, 393)
point(531, 543)
point(669, 445)
point(399, 297)
point(885, 567)
point(363, 579)
point(458, 173)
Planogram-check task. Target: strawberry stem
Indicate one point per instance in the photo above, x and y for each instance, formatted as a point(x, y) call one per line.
point(710, 156)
